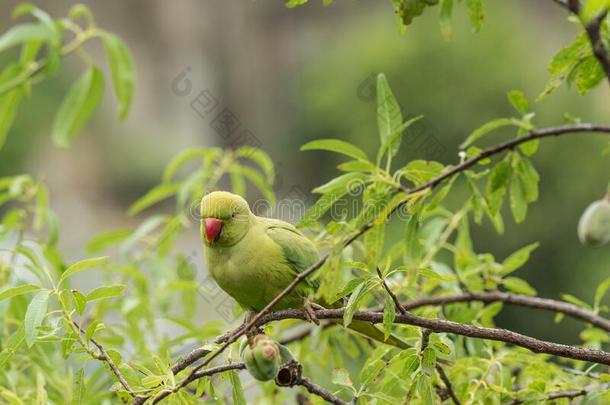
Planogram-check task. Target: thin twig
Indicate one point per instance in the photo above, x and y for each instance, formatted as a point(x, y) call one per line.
point(515, 299)
point(558, 395)
point(315, 389)
point(448, 385)
point(103, 356)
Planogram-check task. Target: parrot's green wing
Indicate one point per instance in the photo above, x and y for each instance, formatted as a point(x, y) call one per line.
point(300, 253)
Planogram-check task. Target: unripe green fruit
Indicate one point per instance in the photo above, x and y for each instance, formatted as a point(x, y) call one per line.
point(594, 224)
point(262, 360)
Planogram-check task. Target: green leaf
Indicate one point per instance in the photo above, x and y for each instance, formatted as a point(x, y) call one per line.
point(80, 10)
point(79, 388)
point(489, 127)
point(445, 11)
point(518, 286)
point(518, 258)
point(389, 315)
point(260, 158)
point(79, 103)
point(592, 9)
point(34, 315)
point(601, 291)
point(496, 186)
point(341, 377)
point(16, 291)
point(528, 175)
point(105, 292)
point(11, 345)
point(357, 166)
point(576, 301)
point(342, 184)
point(354, 301)
point(153, 196)
point(336, 145)
point(518, 200)
point(475, 12)
point(121, 69)
point(564, 61)
point(23, 33)
point(9, 104)
point(428, 360)
point(589, 73)
point(237, 392)
point(107, 239)
point(519, 101)
point(421, 171)
point(389, 116)
point(80, 301)
point(261, 184)
point(82, 265)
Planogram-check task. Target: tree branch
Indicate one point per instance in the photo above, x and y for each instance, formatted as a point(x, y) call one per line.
point(514, 299)
point(441, 325)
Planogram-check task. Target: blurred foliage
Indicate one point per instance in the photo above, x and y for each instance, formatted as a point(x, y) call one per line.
point(56, 340)
point(43, 46)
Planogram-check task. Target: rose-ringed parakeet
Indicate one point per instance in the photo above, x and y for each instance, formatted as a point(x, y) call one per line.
point(253, 259)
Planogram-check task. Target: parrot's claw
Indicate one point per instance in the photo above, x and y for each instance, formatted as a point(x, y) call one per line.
point(309, 310)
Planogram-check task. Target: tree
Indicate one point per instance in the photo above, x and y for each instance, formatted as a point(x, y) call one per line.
point(430, 286)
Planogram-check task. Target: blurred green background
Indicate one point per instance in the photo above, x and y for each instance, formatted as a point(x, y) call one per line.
point(290, 76)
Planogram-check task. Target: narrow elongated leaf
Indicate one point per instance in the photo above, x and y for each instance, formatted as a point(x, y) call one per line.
point(108, 291)
point(445, 11)
point(428, 360)
point(16, 291)
point(600, 291)
point(121, 69)
point(518, 199)
point(77, 107)
point(79, 388)
point(157, 194)
point(80, 301)
point(23, 33)
point(107, 239)
point(9, 104)
point(475, 11)
point(518, 259)
point(518, 286)
point(389, 315)
point(519, 101)
point(237, 392)
point(260, 158)
point(342, 184)
point(354, 302)
point(11, 345)
point(336, 145)
point(389, 115)
point(82, 265)
point(34, 315)
point(489, 127)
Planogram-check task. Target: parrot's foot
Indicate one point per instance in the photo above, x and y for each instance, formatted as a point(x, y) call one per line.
point(309, 310)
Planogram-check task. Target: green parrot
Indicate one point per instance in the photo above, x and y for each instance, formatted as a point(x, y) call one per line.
point(253, 259)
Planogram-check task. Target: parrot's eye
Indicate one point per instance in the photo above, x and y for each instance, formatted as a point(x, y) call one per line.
point(232, 215)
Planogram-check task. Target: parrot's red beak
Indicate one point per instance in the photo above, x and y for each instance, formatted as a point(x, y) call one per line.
point(213, 226)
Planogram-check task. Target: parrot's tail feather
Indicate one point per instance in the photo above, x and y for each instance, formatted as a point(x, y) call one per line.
point(369, 330)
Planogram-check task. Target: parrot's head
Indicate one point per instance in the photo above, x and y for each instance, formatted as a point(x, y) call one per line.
point(225, 218)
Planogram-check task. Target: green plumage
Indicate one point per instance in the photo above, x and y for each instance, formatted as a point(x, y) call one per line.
point(253, 259)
